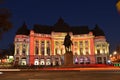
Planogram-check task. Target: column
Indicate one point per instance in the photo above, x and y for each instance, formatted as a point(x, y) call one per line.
point(78, 51)
point(52, 47)
point(92, 54)
point(15, 49)
point(107, 45)
point(84, 47)
point(73, 46)
point(45, 48)
point(20, 50)
point(31, 55)
point(39, 47)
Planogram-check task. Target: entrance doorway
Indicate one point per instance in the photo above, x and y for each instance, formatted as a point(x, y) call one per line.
point(99, 60)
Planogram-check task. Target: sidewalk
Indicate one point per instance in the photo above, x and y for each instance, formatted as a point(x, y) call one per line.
point(9, 70)
point(64, 69)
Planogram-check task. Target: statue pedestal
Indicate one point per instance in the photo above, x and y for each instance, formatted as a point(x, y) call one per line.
point(68, 58)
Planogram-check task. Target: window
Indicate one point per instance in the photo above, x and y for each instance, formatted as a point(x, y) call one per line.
point(24, 40)
point(17, 51)
point(104, 58)
point(56, 43)
point(75, 43)
point(24, 51)
point(103, 45)
point(48, 47)
point(81, 43)
point(24, 46)
point(99, 60)
point(48, 50)
point(17, 45)
point(103, 51)
point(37, 43)
point(86, 43)
point(97, 45)
point(98, 51)
point(36, 47)
point(17, 40)
point(81, 51)
point(48, 44)
point(87, 51)
point(56, 51)
point(42, 47)
point(61, 50)
point(36, 50)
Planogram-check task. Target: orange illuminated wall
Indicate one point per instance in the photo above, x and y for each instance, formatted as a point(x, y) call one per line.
point(52, 47)
point(92, 50)
point(31, 58)
point(91, 46)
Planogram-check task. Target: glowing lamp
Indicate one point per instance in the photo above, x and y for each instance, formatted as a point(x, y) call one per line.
point(118, 6)
point(114, 52)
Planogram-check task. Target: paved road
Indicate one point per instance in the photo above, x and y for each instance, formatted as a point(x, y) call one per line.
point(61, 75)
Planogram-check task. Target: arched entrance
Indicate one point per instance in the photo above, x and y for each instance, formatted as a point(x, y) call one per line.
point(42, 61)
point(86, 60)
point(23, 61)
point(76, 60)
point(36, 62)
point(81, 60)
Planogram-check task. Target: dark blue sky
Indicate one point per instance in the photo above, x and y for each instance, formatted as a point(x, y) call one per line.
point(74, 12)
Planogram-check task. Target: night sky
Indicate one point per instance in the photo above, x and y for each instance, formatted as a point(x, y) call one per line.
point(74, 12)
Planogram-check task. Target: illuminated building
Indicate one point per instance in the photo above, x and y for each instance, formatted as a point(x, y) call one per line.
point(43, 45)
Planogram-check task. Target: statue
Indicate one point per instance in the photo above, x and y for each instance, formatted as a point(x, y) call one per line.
point(67, 43)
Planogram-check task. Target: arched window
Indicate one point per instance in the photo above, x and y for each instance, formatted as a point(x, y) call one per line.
point(76, 60)
point(87, 60)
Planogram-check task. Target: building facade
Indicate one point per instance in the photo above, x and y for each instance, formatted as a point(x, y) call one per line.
point(43, 45)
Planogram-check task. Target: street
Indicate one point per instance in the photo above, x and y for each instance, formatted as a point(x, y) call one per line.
point(60, 75)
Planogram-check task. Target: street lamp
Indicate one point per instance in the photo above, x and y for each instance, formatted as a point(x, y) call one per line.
point(118, 6)
point(110, 55)
point(114, 53)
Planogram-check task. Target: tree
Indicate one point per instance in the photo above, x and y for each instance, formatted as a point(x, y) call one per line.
point(5, 24)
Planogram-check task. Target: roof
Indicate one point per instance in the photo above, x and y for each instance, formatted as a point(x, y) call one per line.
point(80, 29)
point(23, 30)
point(97, 31)
point(60, 26)
point(42, 29)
